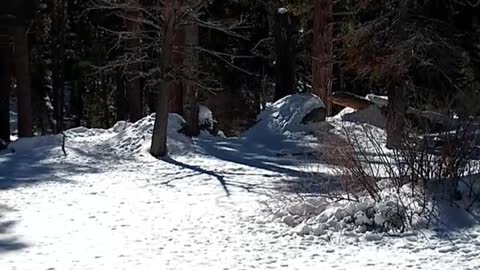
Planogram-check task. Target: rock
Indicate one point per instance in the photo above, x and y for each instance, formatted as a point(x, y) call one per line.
point(340, 214)
point(304, 230)
point(317, 201)
point(319, 231)
point(321, 218)
point(315, 116)
point(362, 229)
point(362, 219)
point(296, 209)
point(289, 220)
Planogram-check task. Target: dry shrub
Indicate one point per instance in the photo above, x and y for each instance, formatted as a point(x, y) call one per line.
point(412, 172)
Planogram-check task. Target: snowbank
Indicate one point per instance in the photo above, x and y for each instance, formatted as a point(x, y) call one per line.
point(360, 220)
point(285, 116)
point(137, 137)
point(127, 139)
point(205, 117)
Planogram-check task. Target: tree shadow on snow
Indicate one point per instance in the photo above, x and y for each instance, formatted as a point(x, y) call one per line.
point(256, 155)
point(32, 167)
point(199, 170)
point(288, 167)
point(451, 220)
point(8, 242)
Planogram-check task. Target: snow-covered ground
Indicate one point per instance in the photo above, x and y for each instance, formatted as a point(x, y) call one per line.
point(110, 205)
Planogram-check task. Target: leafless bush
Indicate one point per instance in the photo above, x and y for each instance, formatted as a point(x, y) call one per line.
point(412, 172)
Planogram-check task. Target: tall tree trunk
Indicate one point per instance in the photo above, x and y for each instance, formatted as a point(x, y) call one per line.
point(397, 86)
point(22, 73)
point(286, 33)
point(322, 51)
point(190, 92)
point(121, 105)
point(105, 95)
point(77, 102)
point(134, 87)
point(159, 139)
point(58, 54)
point(396, 115)
point(5, 89)
point(175, 94)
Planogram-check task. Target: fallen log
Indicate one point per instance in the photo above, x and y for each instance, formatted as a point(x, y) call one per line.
point(347, 99)
point(432, 120)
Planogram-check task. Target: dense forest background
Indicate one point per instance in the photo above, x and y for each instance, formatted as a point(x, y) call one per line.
point(67, 63)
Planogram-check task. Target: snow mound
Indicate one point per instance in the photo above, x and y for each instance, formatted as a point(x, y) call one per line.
point(285, 116)
point(320, 217)
point(134, 138)
point(282, 10)
point(205, 117)
point(128, 139)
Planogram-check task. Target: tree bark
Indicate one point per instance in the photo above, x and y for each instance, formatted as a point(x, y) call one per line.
point(58, 54)
point(134, 87)
point(159, 138)
point(5, 89)
point(396, 115)
point(347, 99)
point(190, 92)
point(121, 105)
point(286, 33)
point(22, 73)
point(175, 93)
point(322, 51)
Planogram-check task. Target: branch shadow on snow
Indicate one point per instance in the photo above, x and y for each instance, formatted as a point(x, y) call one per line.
point(255, 155)
point(219, 177)
point(289, 167)
point(8, 242)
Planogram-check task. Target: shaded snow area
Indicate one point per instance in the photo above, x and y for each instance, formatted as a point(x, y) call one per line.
point(110, 205)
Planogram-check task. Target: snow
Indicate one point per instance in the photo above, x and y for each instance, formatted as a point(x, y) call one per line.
point(282, 10)
point(110, 205)
point(13, 122)
point(205, 116)
point(280, 126)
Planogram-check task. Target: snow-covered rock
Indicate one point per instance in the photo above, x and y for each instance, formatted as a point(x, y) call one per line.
point(289, 220)
point(362, 219)
point(282, 10)
point(304, 230)
point(205, 117)
point(285, 116)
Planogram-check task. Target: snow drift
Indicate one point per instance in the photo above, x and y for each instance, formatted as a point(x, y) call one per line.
point(126, 139)
point(281, 121)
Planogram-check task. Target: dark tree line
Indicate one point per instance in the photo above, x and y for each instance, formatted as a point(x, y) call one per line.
point(71, 63)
